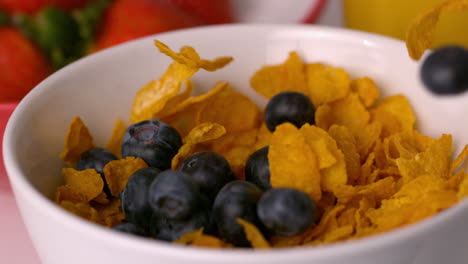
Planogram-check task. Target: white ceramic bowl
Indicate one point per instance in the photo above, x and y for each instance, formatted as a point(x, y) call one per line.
point(100, 89)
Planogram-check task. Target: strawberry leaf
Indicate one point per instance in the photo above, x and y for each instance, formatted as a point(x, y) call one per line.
point(4, 19)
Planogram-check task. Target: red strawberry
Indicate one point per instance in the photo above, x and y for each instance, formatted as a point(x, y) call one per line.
point(210, 11)
point(32, 6)
point(130, 19)
point(22, 65)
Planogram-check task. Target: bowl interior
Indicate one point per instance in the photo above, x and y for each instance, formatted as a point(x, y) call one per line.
point(100, 88)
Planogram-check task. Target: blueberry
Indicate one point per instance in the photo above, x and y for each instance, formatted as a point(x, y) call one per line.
point(166, 229)
point(237, 199)
point(134, 197)
point(445, 71)
point(292, 107)
point(96, 158)
point(257, 169)
point(153, 141)
point(286, 211)
point(209, 170)
point(130, 228)
point(173, 195)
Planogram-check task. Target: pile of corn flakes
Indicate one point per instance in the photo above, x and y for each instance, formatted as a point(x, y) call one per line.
point(363, 161)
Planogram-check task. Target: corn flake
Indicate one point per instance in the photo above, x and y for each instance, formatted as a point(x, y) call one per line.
point(177, 99)
point(86, 182)
point(77, 140)
point(101, 198)
point(292, 162)
point(348, 112)
point(199, 134)
point(390, 123)
point(366, 89)
point(83, 210)
point(327, 222)
point(153, 97)
point(289, 76)
point(436, 160)
point(332, 170)
point(338, 233)
point(263, 137)
point(188, 56)
point(421, 31)
point(363, 224)
point(369, 136)
point(108, 214)
point(187, 115)
point(347, 144)
point(117, 173)
point(462, 157)
point(326, 84)
point(231, 109)
point(254, 236)
point(236, 148)
point(198, 239)
point(462, 185)
point(210, 242)
point(189, 237)
point(400, 108)
point(418, 199)
point(67, 193)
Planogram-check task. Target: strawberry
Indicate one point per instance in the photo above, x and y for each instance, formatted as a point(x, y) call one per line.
point(33, 6)
point(22, 65)
point(130, 19)
point(210, 11)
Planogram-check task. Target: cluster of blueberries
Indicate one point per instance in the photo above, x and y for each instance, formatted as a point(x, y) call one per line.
point(204, 192)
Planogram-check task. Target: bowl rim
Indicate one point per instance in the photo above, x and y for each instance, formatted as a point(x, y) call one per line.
point(23, 188)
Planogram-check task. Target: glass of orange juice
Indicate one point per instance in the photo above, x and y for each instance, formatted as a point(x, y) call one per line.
point(392, 18)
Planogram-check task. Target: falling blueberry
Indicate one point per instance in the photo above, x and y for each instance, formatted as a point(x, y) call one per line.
point(445, 71)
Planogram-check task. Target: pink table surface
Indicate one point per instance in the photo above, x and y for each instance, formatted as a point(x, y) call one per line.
point(15, 245)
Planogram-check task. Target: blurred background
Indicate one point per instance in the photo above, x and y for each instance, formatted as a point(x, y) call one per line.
point(39, 37)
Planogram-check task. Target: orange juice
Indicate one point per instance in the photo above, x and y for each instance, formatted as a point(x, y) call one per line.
point(392, 17)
